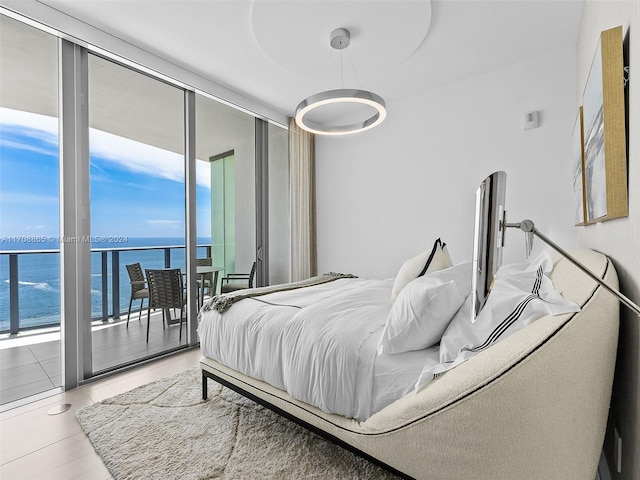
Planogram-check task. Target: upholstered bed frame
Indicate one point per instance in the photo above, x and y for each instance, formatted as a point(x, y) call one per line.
point(533, 406)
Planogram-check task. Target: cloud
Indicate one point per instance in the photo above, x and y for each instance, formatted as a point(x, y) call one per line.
point(141, 158)
point(128, 154)
point(45, 127)
point(6, 143)
point(136, 156)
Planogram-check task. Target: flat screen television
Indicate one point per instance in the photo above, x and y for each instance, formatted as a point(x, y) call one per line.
point(488, 238)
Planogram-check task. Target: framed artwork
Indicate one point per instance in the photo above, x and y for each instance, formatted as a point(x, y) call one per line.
point(578, 171)
point(604, 133)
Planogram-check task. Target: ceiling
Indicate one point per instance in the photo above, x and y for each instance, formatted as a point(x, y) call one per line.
point(277, 52)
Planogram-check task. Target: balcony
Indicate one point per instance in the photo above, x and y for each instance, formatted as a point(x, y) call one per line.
point(30, 345)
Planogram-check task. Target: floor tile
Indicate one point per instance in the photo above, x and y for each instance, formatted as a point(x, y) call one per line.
point(51, 367)
point(23, 390)
point(46, 350)
point(70, 458)
point(21, 375)
point(75, 395)
point(35, 429)
point(16, 357)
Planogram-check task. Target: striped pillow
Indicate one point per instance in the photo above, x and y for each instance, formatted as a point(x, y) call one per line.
point(521, 294)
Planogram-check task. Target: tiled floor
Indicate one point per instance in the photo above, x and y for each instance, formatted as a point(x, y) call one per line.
point(29, 366)
point(35, 445)
point(29, 369)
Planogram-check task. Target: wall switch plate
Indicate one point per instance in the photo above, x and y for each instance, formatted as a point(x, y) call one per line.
point(617, 450)
point(531, 120)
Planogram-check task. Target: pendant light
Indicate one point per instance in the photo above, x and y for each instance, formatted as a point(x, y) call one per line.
point(340, 39)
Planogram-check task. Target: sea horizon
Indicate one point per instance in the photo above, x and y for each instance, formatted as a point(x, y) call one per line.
point(39, 273)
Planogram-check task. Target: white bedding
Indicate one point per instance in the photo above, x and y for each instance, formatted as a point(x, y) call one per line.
point(318, 344)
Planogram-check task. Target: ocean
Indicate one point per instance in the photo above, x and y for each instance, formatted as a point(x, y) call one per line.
point(39, 274)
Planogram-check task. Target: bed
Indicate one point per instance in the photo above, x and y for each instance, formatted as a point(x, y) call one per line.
point(533, 404)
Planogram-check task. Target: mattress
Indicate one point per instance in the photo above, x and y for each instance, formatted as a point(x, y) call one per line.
point(318, 344)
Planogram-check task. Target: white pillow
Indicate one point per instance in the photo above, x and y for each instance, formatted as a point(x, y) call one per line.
point(424, 308)
point(430, 261)
point(521, 294)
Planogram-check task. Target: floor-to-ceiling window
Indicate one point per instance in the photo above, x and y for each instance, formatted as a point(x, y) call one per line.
point(29, 212)
point(136, 196)
point(137, 185)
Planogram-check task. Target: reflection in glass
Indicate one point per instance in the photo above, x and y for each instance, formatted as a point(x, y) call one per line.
point(225, 152)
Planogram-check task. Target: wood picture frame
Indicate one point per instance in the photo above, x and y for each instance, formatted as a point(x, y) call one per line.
point(605, 153)
point(578, 171)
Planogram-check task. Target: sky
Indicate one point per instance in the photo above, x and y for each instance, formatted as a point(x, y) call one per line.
point(136, 190)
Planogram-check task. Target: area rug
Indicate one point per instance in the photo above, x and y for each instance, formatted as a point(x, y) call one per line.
point(164, 430)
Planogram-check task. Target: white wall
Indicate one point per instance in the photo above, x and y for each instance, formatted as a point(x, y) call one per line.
point(620, 239)
point(386, 194)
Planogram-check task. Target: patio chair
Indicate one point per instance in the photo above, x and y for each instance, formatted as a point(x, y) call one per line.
point(238, 281)
point(166, 292)
point(207, 278)
point(139, 290)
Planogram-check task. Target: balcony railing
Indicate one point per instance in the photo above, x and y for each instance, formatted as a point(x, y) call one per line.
point(109, 291)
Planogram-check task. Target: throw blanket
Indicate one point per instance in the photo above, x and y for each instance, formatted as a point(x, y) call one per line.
point(222, 303)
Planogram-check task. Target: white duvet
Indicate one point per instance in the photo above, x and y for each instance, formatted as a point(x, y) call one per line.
point(318, 344)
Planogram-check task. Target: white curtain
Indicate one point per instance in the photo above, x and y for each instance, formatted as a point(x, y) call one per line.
point(302, 164)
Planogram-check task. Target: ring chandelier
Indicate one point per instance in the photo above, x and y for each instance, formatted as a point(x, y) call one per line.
point(340, 39)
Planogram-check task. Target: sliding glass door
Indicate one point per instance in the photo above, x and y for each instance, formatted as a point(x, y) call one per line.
point(137, 185)
point(143, 167)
